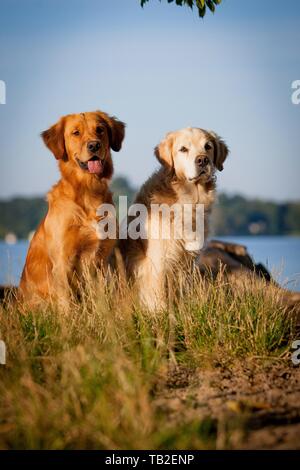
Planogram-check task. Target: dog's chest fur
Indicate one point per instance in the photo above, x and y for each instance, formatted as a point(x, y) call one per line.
point(187, 239)
point(192, 196)
point(75, 220)
point(191, 193)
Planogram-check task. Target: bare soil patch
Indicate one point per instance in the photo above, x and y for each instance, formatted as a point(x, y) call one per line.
point(251, 406)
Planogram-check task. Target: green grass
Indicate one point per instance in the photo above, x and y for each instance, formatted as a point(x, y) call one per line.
point(87, 378)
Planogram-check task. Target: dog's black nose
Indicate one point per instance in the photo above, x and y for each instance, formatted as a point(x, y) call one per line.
point(202, 161)
point(93, 146)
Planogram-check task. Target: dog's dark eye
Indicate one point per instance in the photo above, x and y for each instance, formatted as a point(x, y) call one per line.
point(99, 130)
point(208, 146)
point(76, 132)
point(183, 149)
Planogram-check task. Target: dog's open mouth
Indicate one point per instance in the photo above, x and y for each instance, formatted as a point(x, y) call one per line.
point(93, 166)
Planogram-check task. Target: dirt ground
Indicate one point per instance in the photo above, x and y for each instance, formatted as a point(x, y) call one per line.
point(252, 406)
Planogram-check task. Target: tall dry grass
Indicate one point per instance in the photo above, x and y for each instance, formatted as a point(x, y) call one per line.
point(86, 377)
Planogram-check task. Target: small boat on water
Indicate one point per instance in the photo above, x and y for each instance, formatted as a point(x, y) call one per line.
point(10, 238)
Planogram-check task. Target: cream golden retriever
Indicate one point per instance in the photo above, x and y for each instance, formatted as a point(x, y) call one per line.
point(67, 239)
point(189, 159)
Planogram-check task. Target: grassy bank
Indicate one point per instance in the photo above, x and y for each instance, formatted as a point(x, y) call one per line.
point(90, 377)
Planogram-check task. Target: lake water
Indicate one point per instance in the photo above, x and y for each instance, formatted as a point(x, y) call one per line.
point(281, 255)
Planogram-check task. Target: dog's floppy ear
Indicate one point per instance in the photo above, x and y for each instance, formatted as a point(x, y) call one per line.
point(54, 139)
point(220, 150)
point(163, 151)
point(116, 130)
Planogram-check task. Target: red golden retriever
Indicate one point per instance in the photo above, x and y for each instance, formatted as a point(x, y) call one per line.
point(67, 239)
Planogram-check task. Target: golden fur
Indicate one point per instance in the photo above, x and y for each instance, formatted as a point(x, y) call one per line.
point(189, 158)
point(66, 239)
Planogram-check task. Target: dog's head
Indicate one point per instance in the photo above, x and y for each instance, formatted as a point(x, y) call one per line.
point(83, 142)
point(192, 153)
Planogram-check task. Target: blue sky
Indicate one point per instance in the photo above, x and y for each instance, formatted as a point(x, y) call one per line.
point(159, 68)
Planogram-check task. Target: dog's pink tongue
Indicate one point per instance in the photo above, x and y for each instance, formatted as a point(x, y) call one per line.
point(95, 166)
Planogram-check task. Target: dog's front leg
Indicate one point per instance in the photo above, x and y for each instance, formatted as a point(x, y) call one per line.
point(59, 288)
point(150, 277)
point(193, 227)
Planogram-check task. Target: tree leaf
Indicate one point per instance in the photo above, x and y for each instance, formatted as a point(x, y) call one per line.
point(202, 11)
point(190, 3)
point(211, 5)
point(200, 4)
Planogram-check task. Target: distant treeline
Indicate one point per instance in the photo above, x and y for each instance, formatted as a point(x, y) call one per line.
point(232, 215)
point(237, 215)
